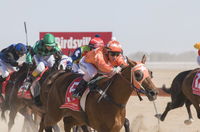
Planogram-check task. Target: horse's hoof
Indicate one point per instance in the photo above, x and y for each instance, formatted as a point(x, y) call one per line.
point(188, 122)
point(158, 116)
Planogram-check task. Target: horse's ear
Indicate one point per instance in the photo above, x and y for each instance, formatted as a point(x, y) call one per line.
point(131, 62)
point(144, 58)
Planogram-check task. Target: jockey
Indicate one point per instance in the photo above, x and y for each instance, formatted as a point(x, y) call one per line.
point(43, 55)
point(81, 51)
point(197, 46)
point(8, 60)
point(106, 60)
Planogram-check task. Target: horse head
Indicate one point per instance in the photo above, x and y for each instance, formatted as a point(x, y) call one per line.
point(140, 78)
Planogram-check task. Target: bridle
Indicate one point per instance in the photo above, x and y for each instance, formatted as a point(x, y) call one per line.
point(136, 85)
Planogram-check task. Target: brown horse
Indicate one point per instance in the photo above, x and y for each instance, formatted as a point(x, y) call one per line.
point(18, 104)
point(8, 103)
point(178, 97)
point(107, 115)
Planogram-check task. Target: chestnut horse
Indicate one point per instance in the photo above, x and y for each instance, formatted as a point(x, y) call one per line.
point(177, 96)
point(106, 115)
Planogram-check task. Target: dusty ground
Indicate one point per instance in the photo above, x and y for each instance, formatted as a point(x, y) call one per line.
point(141, 114)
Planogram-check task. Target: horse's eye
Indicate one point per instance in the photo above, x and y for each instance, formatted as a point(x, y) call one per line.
point(138, 75)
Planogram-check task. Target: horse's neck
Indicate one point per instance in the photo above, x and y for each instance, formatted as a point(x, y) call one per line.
point(120, 90)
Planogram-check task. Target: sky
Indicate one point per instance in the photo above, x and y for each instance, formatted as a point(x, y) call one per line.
point(139, 25)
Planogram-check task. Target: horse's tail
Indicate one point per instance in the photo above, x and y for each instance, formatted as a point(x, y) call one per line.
point(167, 90)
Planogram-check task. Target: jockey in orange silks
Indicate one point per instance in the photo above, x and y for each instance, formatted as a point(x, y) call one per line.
point(197, 46)
point(105, 60)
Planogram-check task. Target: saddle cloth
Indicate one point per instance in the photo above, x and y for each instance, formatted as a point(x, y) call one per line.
point(71, 102)
point(196, 84)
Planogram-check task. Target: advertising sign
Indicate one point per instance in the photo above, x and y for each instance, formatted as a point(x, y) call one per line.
point(69, 41)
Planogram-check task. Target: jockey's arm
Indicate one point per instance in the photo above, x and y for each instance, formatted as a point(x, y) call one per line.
point(102, 65)
point(9, 58)
point(76, 55)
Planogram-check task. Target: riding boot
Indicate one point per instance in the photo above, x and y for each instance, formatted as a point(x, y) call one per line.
point(37, 101)
point(80, 89)
point(29, 81)
point(23, 91)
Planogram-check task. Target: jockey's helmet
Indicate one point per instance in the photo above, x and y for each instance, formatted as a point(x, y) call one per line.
point(197, 45)
point(96, 42)
point(21, 49)
point(49, 40)
point(114, 46)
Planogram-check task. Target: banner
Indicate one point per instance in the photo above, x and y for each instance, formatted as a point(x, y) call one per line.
point(69, 41)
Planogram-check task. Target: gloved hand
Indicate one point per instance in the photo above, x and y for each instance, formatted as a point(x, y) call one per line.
point(69, 65)
point(29, 65)
point(116, 70)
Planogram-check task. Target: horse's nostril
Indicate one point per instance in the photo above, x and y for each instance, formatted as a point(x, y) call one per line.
point(152, 93)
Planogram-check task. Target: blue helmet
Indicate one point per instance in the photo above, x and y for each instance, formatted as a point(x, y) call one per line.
point(21, 48)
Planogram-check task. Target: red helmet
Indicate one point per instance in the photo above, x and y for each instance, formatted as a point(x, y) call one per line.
point(114, 46)
point(96, 42)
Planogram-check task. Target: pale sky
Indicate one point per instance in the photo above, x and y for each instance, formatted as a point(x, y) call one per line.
point(140, 25)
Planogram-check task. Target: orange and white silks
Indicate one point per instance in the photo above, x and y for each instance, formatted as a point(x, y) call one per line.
point(99, 59)
point(140, 66)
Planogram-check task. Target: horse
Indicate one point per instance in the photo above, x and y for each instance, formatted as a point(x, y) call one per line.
point(103, 112)
point(178, 97)
point(7, 104)
point(19, 103)
point(187, 90)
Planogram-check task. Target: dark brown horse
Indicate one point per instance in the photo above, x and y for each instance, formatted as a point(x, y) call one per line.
point(18, 104)
point(178, 97)
point(187, 91)
point(107, 115)
point(8, 103)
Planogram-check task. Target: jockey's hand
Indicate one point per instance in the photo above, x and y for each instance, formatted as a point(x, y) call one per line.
point(29, 64)
point(116, 70)
point(69, 65)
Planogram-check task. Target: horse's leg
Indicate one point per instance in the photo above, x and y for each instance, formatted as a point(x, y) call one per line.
point(46, 124)
point(190, 120)
point(194, 101)
point(176, 102)
point(12, 116)
point(28, 119)
point(48, 129)
point(164, 114)
point(42, 124)
point(56, 128)
point(85, 128)
point(69, 122)
point(25, 127)
point(127, 125)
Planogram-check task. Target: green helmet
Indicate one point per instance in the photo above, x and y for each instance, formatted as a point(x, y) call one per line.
point(49, 40)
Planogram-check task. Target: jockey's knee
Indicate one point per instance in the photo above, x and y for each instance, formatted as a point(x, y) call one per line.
point(40, 67)
point(5, 74)
point(89, 75)
point(50, 64)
